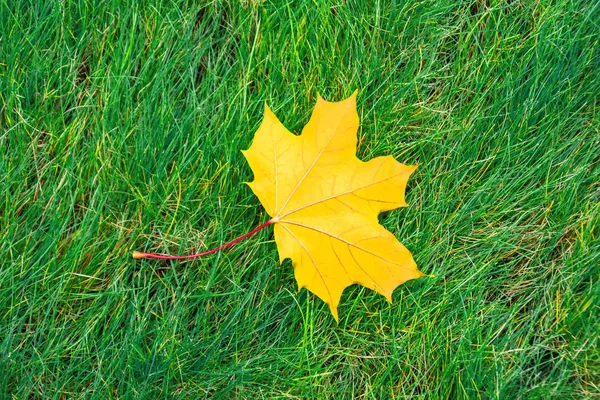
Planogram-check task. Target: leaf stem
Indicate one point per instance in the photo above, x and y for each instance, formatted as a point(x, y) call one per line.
point(138, 254)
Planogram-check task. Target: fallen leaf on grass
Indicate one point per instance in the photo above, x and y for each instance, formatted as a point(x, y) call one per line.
point(324, 203)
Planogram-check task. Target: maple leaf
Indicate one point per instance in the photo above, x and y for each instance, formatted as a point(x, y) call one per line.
point(324, 203)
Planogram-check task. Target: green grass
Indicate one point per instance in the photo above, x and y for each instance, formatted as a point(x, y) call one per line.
point(121, 129)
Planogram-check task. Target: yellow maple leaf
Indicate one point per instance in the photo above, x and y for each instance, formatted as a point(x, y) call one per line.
point(324, 203)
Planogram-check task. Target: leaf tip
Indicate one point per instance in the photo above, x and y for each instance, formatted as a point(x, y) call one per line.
point(334, 312)
point(388, 297)
point(267, 109)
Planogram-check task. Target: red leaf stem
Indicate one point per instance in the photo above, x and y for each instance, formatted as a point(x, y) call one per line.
point(138, 254)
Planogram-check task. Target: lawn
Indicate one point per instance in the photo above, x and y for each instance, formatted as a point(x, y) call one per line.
point(121, 128)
